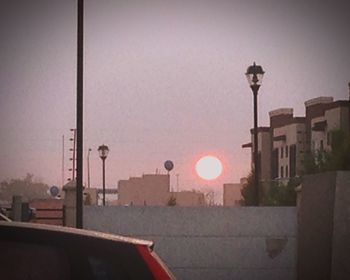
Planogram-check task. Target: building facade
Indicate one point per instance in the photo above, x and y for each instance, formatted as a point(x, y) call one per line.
point(232, 193)
point(282, 146)
point(287, 146)
point(154, 190)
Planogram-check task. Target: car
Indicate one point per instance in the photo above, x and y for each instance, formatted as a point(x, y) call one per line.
point(37, 251)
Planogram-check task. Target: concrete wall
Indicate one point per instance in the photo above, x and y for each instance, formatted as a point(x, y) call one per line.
point(210, 242)
point(341, 227)
point(315, 227)
point(324, 227)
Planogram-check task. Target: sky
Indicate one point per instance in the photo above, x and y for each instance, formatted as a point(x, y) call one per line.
point(163, 80)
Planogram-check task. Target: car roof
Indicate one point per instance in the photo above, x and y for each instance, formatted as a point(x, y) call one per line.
point(74, 231)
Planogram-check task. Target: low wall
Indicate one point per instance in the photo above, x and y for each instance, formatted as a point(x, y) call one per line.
point(210, 242)
point(324, 227)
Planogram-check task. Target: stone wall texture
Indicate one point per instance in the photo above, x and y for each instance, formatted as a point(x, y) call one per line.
point(210, 242)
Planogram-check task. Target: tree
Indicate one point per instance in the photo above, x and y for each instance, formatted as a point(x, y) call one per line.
point(280, 194)
point(248, 191)
point(27, 187)
point(338, 158)
point(172, 201)
point(277, 193)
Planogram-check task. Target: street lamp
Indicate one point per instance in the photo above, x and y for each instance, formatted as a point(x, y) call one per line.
point(254, 76)
point(88, 167)
point(103, 152)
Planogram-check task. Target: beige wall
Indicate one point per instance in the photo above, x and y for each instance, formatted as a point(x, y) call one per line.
point(295, 135)
point(318, 136)
point(336, 118)
point(210, 243)
point(232, 194)
point(264, 142)
point(264, 148)
point(92, 192)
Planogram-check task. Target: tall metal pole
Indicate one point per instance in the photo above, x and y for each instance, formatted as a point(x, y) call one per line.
point(88, 167)
point(103, 182)
point(255, 89)
point(80, 57)
point(62, 161)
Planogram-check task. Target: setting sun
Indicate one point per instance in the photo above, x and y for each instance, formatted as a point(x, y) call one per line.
point(209, 167)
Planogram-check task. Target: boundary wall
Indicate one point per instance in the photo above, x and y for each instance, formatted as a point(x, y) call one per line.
point(210, 242)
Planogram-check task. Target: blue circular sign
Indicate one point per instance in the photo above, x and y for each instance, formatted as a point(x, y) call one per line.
point(54, 191)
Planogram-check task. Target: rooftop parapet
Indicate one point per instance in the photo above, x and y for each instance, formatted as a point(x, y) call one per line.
point(281, 111)
point(318, 100)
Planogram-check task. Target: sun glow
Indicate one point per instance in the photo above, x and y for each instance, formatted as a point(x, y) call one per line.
point(209, 167)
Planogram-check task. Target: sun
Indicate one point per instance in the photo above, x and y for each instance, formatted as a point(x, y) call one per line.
point(209, 167)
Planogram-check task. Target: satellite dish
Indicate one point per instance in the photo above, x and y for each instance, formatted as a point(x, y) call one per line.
point(54, 191)
point(169, 165)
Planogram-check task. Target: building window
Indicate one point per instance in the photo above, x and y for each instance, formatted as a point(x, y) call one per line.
point(287, 151)
point(321, 145)
point(286, 171)
point(282, 152)
point(281, 174)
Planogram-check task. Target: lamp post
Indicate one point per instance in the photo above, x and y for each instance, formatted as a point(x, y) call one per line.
point(254, 76)
point(103, 152)
point(88, 167)
point(79, 112)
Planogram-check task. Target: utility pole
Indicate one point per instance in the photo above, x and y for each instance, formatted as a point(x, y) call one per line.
point(62, 182)
point(80, 82)
point(88, 167)
point(73, 158)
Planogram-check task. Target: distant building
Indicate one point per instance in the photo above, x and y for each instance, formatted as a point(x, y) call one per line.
point(154, 190)
point(232, 193)
point(90, 196)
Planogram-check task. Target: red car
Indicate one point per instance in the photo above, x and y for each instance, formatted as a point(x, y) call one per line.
point(40, 252)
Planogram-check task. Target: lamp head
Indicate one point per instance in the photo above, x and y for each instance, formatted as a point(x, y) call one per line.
point(255, 74)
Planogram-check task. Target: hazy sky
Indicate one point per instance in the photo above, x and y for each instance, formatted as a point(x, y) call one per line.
point(163, 80)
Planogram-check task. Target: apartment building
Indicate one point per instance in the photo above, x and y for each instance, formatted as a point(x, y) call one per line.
point(288, 143)
point(323, 115)
point(282, 145)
